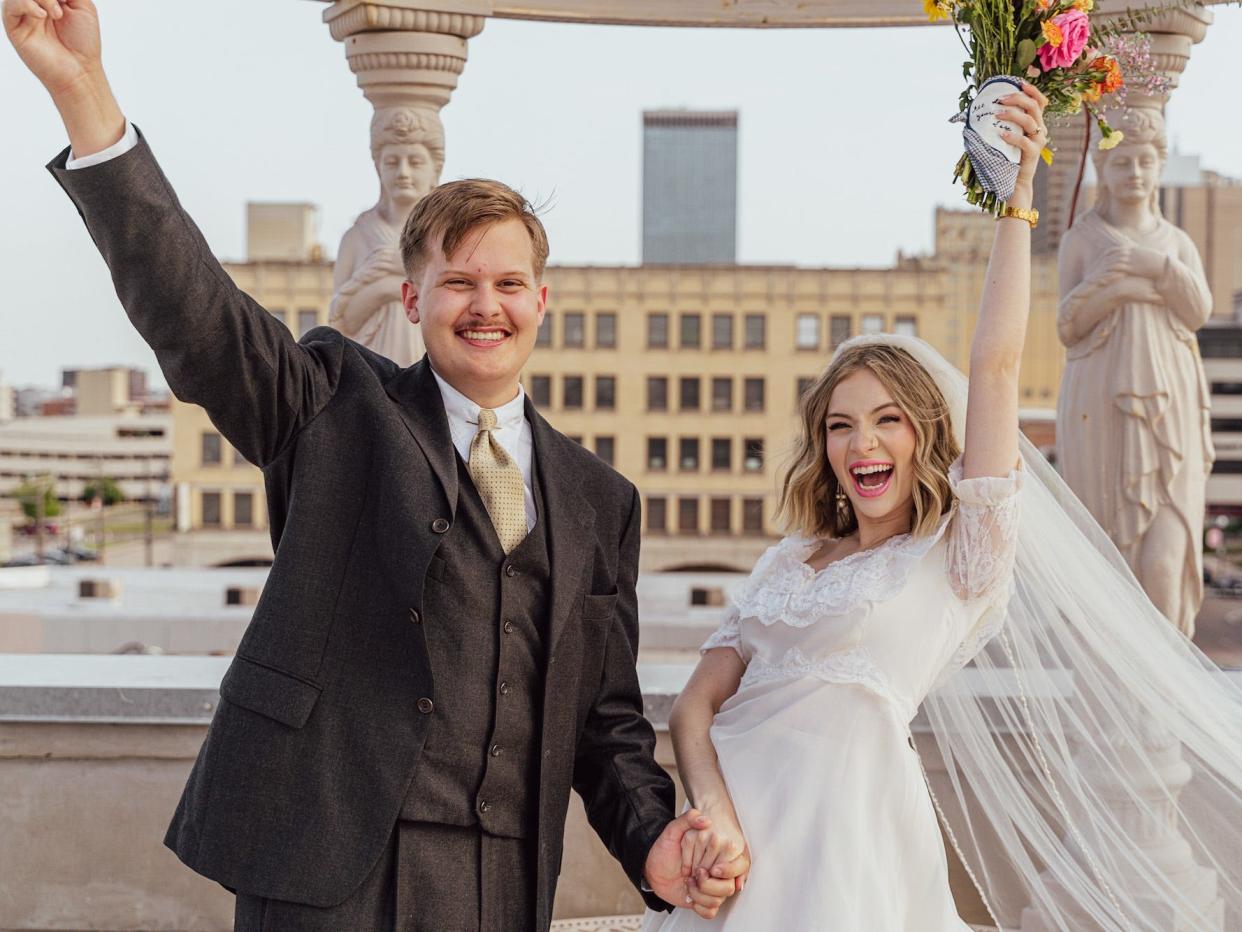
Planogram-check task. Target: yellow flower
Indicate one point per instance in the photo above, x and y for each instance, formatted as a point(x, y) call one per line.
point(1112, 140)
point(1046, 155)
point(1075, 104)
point(1085, 5)
point(1092, 94)
point(935, 9)
point(1052, 32)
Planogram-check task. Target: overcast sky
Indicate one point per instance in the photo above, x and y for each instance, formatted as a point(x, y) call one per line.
point(844, 145)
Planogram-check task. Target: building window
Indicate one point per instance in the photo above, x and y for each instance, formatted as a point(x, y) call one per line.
point(839, 329)
point(541, 390)
point(1227, 388)
point(691, 331)
point(657, 393)
point(571, 393)
point(906, 325)
point(211, 509)
point(722, 331)
point(606, 331)
point(873, 323)
point(605, 392)
point(243, 509)
point(657, 331)
point(722, 394)
point(756, 336)
point(279, 314)
point(308, 319)
point(688, 393)
point(806, 332)
point(804, 386)
point(720, 517)
point(687, 516)
point(212, 449)
point(574, 334)
point(543, 336)
point(657, 514)
point(688, 454)
point(722, 454)
point(606, 449)
point(754, 394)
point(657, 454)
point(752, 516)
point(753, 460)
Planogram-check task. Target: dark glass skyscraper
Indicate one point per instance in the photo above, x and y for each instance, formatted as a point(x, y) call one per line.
point(689, 187)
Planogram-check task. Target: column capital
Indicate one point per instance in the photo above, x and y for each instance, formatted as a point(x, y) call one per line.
point(462, 18)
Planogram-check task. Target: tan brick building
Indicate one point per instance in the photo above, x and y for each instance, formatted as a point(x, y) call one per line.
point(685, 378)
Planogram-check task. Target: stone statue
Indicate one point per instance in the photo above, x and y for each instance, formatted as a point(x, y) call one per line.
point(407, 146)
point(1133, 426)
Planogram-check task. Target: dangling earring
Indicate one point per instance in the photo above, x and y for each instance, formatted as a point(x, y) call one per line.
point(843, 503)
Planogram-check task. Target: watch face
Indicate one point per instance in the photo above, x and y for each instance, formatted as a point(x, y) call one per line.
point(981, 116)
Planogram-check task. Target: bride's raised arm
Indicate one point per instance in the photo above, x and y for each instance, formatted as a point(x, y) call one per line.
point(992, 409)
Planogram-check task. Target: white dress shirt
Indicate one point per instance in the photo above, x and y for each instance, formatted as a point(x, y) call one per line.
point(120, 147)
point(512, 432)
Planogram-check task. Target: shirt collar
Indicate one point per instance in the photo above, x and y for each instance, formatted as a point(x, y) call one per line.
point(457, 405)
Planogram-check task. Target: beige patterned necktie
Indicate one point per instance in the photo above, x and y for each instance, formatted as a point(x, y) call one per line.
point(499, 481)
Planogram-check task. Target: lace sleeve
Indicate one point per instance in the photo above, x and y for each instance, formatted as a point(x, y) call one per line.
point(729, 634)
point(983, 534)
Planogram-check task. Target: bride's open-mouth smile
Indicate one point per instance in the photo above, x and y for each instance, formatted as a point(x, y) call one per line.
point(872, 478)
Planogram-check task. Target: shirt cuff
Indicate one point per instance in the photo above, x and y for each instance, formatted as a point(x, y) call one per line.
point(120, 147)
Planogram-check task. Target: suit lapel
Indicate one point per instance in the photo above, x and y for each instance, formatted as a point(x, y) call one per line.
point(422, 409)
point(569, 521)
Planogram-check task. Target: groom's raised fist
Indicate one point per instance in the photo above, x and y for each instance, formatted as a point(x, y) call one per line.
point(58, 40)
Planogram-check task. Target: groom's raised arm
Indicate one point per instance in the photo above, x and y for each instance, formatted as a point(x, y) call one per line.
point(215, 345)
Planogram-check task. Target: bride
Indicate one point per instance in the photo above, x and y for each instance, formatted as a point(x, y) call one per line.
point(923, 528)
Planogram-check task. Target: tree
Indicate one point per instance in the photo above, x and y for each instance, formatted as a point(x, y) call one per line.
point(103, 488)
point(27, 494)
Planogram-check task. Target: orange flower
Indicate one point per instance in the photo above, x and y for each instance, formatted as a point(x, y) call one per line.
point(1092, 94)
point(1084, 5)
point(1113, 78)
point(1052, 32)
point(1042, 5)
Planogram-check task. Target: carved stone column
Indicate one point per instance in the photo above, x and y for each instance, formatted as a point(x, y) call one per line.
point(1173, 35)
point(406, 56)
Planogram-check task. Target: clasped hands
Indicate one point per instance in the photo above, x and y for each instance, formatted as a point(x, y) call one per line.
point(699, 861)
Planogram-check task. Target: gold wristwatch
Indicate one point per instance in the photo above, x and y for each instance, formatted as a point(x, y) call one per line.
point(1029, 214)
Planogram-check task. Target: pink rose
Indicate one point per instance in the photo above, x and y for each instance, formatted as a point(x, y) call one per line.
point(1075, 30)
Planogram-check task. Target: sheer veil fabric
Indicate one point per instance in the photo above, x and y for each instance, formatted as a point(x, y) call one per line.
point(1063, 748)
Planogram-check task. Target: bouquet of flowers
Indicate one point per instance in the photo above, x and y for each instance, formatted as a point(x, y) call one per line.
point(1055, 45)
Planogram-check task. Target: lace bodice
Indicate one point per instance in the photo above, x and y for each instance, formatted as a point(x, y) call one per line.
point(897, 619)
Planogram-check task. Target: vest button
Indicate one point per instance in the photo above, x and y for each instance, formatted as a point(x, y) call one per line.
point(415, 617)
point(496, 749)
point(425, 705)
point(511, 570)
point(484, 806)
point(508, 627)
point(439, 525)
point(504, 689)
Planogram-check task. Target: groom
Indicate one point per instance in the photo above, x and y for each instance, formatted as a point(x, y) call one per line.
point(446, 641)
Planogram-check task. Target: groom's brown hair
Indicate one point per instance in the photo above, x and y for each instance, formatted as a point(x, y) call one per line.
point(448, 214)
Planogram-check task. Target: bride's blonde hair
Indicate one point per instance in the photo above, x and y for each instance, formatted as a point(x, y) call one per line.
point(809, 505)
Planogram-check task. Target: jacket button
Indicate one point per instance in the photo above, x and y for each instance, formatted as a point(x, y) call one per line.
point(425, 705)
point(495, 752)
point(508, 627)
point(484, 806)
point(510, 570)
point(439, 525)
point(415, 617)
point(504, 689)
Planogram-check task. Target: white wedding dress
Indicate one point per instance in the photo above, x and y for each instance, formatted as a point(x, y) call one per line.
point(814, 745)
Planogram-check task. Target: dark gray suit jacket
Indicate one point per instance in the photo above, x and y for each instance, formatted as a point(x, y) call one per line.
point(306, 763)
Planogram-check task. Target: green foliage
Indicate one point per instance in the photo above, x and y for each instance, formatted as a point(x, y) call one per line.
point(103, 488)
point(27, 494)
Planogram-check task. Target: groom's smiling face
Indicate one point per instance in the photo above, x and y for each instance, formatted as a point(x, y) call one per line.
point(480, 310)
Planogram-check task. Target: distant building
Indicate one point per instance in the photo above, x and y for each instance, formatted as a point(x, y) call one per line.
point(689, 187)
point(282, 232)
point(685, 378)
point(134, 451)
point(8, 401)
point(1221, 349)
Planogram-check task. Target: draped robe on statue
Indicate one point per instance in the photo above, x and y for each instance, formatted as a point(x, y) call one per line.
point(1134, 422)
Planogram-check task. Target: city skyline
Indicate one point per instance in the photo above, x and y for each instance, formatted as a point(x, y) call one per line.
point(240, 117)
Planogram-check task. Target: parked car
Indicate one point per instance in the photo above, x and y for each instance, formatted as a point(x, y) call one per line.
point(50, 528)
